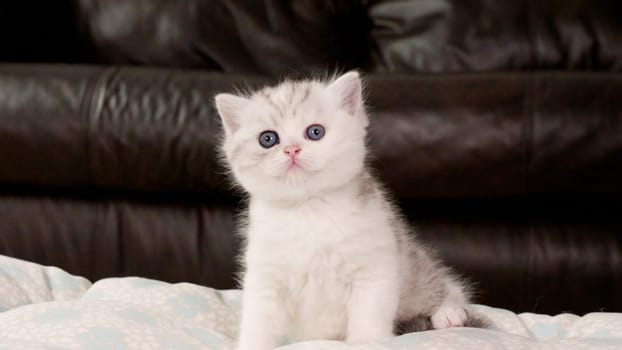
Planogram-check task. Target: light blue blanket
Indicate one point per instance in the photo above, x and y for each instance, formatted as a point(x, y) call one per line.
point(47, 308)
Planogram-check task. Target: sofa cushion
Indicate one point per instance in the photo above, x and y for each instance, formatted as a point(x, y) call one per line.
point(436, 36)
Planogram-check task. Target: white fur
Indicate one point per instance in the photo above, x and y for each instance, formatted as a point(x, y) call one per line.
point(327, 255)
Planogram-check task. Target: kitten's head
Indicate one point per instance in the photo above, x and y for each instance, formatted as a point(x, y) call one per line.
point(297, 139)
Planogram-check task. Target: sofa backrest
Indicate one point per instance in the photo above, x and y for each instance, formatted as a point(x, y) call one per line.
point(279, 38)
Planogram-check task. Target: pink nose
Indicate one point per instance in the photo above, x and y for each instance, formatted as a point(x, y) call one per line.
point(292, 150)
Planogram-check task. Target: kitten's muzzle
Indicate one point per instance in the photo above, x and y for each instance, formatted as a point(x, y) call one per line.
point(292, 151)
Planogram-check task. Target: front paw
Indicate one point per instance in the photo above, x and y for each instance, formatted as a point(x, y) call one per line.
point(449, 315)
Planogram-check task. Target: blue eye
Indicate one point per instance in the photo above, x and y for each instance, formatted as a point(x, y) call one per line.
point(268, 138)
point(315, 132)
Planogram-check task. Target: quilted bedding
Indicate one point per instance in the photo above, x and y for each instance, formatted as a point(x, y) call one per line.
point(46, 308)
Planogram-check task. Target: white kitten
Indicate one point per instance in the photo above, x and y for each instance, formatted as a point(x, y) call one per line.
point(327, 255)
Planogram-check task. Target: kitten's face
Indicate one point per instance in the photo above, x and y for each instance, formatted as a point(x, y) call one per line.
point(297, 139)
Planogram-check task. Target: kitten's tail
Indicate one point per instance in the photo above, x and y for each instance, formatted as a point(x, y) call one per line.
point(422, 323)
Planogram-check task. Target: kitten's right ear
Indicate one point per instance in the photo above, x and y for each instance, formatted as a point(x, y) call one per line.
point(229, 108)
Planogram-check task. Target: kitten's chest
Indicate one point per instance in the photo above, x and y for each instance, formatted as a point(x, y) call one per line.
point(317, 236)
point(313, 223)
point(312, 245)
point(316, 255)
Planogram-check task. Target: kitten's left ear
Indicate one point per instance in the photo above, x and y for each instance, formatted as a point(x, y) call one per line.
point(229, 107)
point(349, 90)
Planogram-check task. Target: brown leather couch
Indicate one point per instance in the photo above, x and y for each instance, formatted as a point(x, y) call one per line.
point(498, 125)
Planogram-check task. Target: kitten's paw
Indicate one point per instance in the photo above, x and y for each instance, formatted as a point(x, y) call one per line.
point(449, 315)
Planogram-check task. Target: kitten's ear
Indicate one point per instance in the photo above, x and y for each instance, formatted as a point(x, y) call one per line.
point(229, 107)
point(350, 92)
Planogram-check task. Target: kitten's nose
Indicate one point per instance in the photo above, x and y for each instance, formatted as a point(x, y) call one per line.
point(292, 150)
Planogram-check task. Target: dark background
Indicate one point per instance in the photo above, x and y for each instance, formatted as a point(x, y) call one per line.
point(497, 124)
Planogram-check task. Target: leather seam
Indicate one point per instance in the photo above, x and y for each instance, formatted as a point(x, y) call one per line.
point(93, 109)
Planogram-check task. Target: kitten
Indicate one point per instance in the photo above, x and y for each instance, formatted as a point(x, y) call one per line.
point(327, 254)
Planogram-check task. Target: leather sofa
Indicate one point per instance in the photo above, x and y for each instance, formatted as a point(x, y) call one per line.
point(498, 126)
